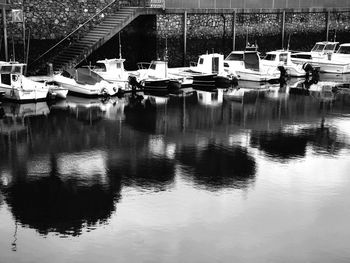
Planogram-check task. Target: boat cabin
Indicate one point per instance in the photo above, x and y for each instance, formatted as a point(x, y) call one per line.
point(110, 65)
point(242, 59)
point(10, 71)
point(278, 57)
point(210, 64)
point(319, 50)
point(157, 69)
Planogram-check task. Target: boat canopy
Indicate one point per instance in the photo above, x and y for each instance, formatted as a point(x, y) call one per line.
point(83, 76)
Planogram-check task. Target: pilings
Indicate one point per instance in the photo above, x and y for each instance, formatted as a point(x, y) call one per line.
point(185, 38)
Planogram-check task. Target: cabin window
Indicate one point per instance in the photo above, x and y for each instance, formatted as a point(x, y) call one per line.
point(344, 50)
point(6, 79)
point(226, 65)
point(318, 48)
point(153, 66)
point(66, 74)
point(235, 57)
point(119, 65)
point(271, 57)
point(329, 47)
point(302, 56)
point(283, 57)
point(6, 69)
point(201, 60)
point(100, 67)
point(17, 69)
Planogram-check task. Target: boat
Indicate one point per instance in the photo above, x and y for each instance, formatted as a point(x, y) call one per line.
point(17, 86)
point(319, 51)
point(337, 62)
point(85, 82)
point(208, 73)
point(247, 66)
point(154, 76)
point(113, 71)
point(282, 58)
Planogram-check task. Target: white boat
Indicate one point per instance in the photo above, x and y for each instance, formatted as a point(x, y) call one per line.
point(247, 66)
point(84, 82)
point(17, 86)
point(155, 76)
point(113, 71)
point(209, 72)
point(282, 58)
point(320, 50)
point(338, 62)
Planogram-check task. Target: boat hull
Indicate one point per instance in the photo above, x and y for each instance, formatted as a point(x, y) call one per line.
point(24, 95)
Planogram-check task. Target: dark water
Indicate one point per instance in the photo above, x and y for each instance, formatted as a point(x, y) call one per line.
point(228, 176)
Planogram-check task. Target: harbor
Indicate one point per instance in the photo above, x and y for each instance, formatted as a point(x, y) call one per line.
point(174, 131)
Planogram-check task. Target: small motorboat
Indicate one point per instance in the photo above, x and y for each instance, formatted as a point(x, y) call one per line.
point(247, 66)
point(154, 76)
point(338, 62)
point(208, 73)
point(85, 82)
point(319, 51)
point(17, 86)
point(113, 71)
point(282, 58)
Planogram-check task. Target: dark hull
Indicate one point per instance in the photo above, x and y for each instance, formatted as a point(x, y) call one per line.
point(204, 82)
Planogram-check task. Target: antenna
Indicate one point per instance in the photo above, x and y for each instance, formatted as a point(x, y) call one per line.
point(120, 47)
point(335, 34)
point(246, 38)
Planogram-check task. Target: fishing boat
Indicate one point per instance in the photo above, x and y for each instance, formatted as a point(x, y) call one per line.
point(113, 71)
point(337, 62)
point(18, 87)
point(85, 82)
point(209, 72)
point(247, 66)
point(154, 76)
point(282, 58)
point(319, 51)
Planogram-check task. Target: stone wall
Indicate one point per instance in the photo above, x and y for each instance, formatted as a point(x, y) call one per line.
point(208, 32)
point(53, 19)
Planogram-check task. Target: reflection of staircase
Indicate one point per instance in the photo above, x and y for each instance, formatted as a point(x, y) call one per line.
point(77, 51)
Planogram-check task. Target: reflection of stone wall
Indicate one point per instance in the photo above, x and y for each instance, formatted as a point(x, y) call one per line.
point(207, 32)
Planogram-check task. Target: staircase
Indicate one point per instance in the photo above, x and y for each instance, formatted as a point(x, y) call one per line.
point(81, 48)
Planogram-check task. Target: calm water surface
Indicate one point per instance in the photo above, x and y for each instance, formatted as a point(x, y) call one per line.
point(242, 175)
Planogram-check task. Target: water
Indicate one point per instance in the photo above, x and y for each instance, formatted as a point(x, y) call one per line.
point(247, 175)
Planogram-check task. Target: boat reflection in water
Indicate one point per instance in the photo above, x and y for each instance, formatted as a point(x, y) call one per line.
point(148, 171)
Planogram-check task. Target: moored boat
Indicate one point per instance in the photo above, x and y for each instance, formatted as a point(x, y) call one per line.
point(18, 87)
point(247, 66)
point(84, 82)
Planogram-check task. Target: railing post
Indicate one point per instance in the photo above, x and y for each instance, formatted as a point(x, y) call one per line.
point(328, 18)
point(283, 27)
point(185, 38)
point(234, 30)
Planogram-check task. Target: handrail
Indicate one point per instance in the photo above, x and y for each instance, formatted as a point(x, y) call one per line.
point(74, 31)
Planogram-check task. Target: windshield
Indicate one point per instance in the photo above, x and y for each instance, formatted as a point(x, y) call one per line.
point(330, 47)
point(271, 57)
point(344, 50)
point(318, 48)
point(236, 57)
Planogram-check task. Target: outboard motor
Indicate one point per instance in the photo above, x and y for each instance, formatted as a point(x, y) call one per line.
point(283, 75)
point(134, 83)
